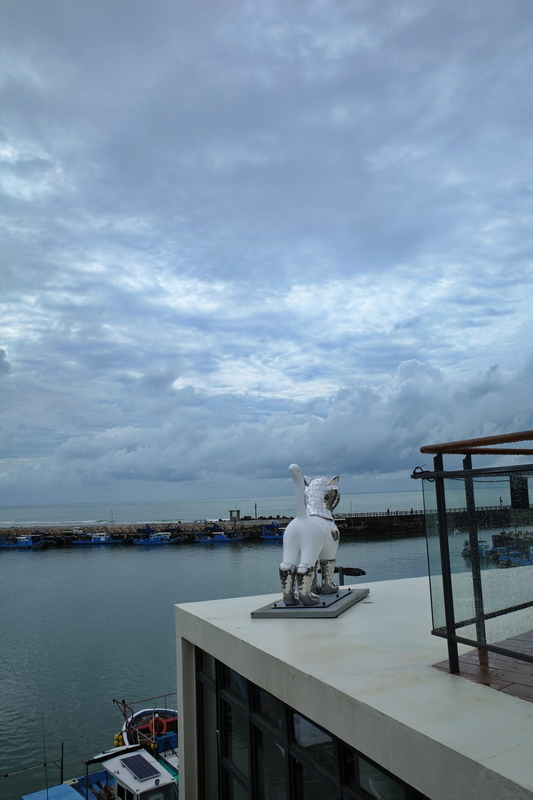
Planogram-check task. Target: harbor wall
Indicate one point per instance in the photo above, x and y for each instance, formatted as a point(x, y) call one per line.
point(372, 524)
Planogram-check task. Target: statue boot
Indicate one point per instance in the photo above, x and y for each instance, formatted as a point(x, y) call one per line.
point(315, 588)
point(287, 574)
point(327, 568)
point(306, 577)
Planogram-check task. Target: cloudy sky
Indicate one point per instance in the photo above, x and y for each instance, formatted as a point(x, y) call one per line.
point(241, 233)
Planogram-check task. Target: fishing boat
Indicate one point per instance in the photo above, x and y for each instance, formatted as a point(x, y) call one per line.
point(272, 532)
point(483, 549)
point(98, 537)
point(153, 538)
point(143, 764)
point(26, 541)
point(155, 728)
point(217, 537)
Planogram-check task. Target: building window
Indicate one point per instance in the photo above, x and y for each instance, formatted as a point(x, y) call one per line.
point(235, 684)
point(271, 768)
point(207, 726)
point(312, 786)
point(365, 779)
point(235, 728)
point(251, 745)
point(269, 709)
point(316, 743)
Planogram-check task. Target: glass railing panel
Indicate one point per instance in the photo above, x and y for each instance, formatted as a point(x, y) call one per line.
point(489, 549)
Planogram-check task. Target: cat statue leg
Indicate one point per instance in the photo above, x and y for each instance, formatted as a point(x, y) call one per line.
point(328, 561)
point(327, 568)
point(306, 577)
point(287, 569)
point(287, 574)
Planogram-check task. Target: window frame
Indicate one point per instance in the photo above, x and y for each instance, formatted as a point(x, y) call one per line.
point(295, 753)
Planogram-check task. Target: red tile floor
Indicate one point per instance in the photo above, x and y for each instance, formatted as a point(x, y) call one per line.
point(506, 674)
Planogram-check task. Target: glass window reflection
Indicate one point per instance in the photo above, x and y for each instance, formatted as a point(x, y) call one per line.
point(235, 730)
point(234, 683)
point(234, 790)
point(207, 664)
point(318, 744)
point(360, 774)
point(270, 708)
point(312, 786)
point(270, 761)
point(208, 745)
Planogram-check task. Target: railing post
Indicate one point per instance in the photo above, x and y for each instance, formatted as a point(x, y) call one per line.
point(447, 589)
point(474, 553)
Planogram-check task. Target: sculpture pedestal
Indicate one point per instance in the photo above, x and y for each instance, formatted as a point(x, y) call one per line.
point(330, 605)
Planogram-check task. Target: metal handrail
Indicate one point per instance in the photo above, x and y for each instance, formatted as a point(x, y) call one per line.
point(483, 444)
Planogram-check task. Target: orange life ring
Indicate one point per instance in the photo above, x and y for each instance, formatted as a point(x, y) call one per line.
point(161, 723)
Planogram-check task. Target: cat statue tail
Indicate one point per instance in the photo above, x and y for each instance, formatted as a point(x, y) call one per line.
point(299, 490)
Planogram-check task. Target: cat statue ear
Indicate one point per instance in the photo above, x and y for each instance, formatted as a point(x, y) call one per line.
point(333, 482)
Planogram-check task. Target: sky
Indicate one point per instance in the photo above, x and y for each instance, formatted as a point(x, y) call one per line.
point(245, 233)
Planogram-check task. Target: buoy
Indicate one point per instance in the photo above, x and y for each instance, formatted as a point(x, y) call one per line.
point(157, 722)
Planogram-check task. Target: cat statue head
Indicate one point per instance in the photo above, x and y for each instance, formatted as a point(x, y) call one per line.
point(321, 496)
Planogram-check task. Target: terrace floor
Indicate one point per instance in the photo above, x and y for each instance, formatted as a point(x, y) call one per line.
point(503, 673)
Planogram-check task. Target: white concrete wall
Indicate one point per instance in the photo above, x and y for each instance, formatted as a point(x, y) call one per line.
point(367, 678)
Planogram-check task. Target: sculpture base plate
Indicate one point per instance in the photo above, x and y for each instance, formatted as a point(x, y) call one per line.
point(330, 605)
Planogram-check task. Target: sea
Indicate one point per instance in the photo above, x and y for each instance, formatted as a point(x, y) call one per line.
point(82, 626)
point(130, 513)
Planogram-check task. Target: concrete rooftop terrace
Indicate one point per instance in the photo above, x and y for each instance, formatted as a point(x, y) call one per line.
point(368, 678)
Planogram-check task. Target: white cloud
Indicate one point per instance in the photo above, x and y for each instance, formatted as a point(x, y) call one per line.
point(283, 232)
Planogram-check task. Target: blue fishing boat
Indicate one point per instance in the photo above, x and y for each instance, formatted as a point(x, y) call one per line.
point(153, 538)
point(215, 534)
point(143, 764)
point(27, 541)
point(272, 532)
point(98, 537)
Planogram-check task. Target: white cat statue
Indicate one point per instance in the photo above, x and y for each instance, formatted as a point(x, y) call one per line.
point(310, 537)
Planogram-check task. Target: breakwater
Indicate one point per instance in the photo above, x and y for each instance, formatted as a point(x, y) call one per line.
point(375, 523)
point(383, 523)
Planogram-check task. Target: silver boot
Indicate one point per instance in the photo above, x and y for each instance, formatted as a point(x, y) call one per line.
point(287, 574)
point(327, 568)
point(306, 577)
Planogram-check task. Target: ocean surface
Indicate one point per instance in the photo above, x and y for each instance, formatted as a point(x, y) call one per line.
point(192, 510)
point(81, 626)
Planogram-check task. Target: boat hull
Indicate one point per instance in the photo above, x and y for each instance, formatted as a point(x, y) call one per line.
point(156, 729)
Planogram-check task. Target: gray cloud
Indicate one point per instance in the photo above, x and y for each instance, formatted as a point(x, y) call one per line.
point(5, 366)
point(236, 236)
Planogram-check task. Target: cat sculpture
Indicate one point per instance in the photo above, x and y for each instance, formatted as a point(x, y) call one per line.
point(309, 538)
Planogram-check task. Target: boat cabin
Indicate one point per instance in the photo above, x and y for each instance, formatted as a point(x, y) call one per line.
point(139, 776)
point(125, 773)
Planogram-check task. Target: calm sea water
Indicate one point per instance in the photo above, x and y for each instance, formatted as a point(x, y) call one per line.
point(191, 510)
